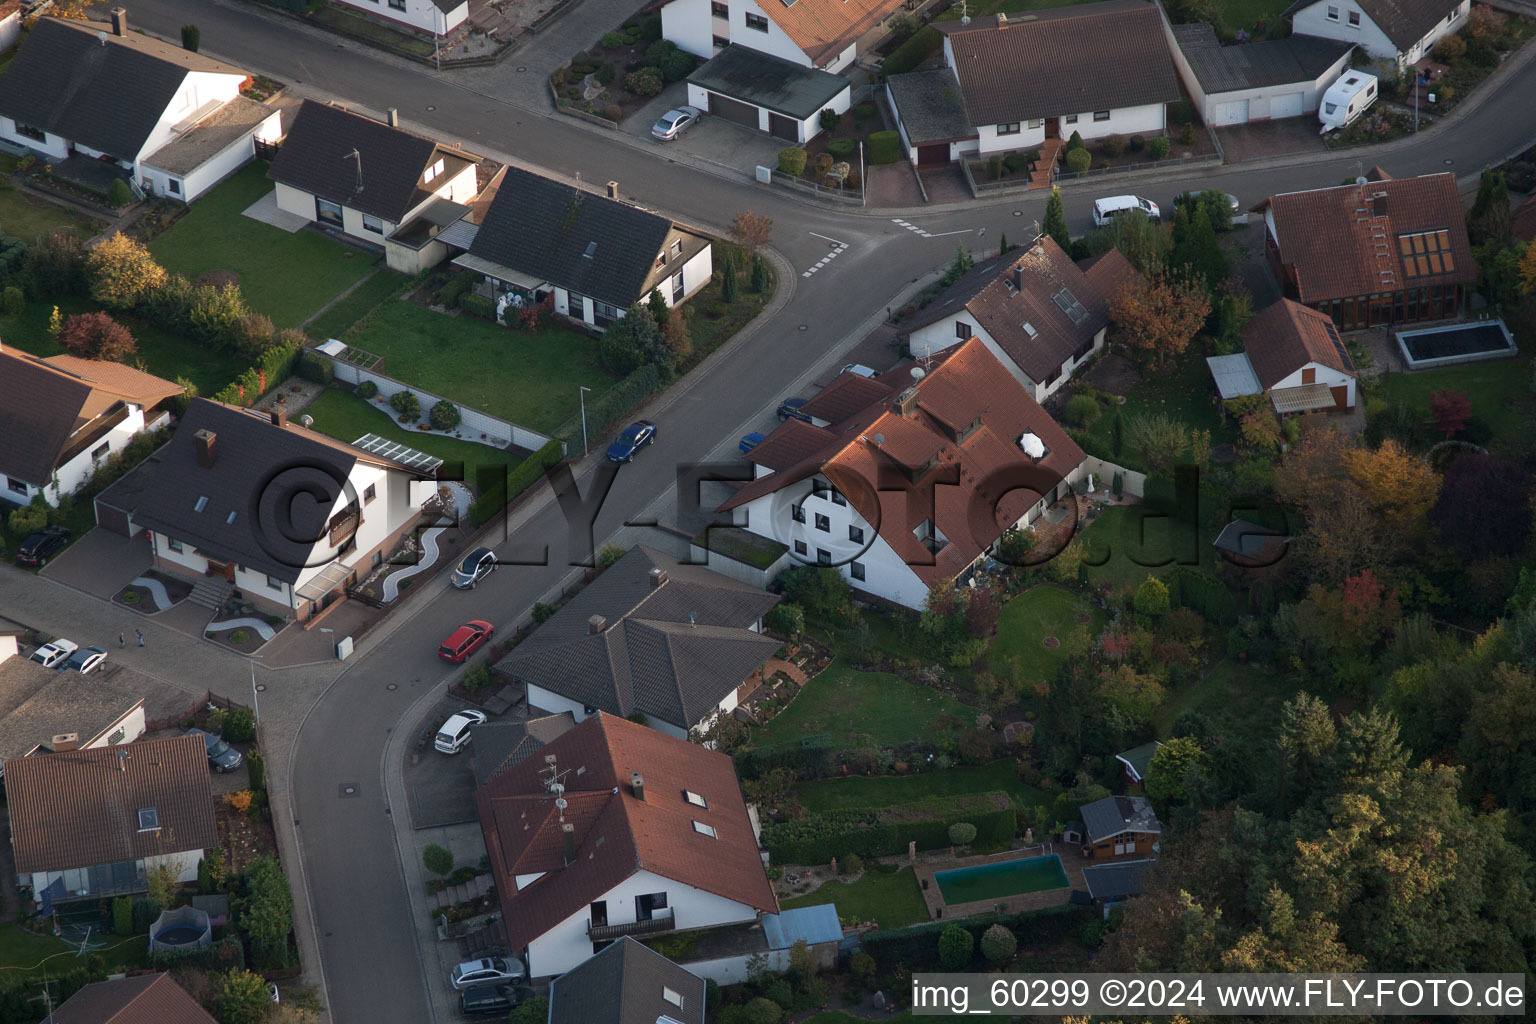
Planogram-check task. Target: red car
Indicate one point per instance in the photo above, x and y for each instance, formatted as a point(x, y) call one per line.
point(466, 640)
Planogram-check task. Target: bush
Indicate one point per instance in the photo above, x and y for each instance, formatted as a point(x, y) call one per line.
point(581, 57)
point(317, 368)
point(239, 636)
point(1182, 112)
point(606, 73)
point(97, 336)
point(191, 37)
point(145, 910)
point(995, 165)
point(1159, 148)
point(877, 832)
point(119, 194)
point(122, 915)
point(1082, 410)
point(955, 947)
point(1075, 141)
point(851, 864)
point(444, 415)
point(884, 147)
point(645, 82)
point(787, 620)
point(830, 119)
point(1450, 49)
point(240, 726)
point(14, 301)
point(258, 768)
point(650, 27)
point(453, 289)
point(1078, 160)
point(1187, 134)
point(841, 149)
point(1138, 143)
point(478, 305)
point(542, 612)
point(437, 859)
point(612, 40)
point(406, 404)
point(1016, 162)
point(864, 111)
point(366, 390)
point(998, 944)
point(1112, 145)
point(962, 833)
point(792, 161)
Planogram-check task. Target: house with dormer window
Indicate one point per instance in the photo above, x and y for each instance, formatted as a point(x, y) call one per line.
point(1400, 30)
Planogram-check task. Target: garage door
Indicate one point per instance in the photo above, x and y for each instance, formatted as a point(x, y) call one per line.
point(781, 127)
point(733, 110)
point(1235, 112)
point(1288, 105)
point(933, 156)
point(115, 519)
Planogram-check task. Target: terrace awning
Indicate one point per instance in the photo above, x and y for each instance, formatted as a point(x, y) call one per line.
point(1307, 398)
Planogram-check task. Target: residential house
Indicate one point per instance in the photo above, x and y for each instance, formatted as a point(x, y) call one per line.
point(92, 823)
point(1041, 315)
point(99, 103)
point(1028, 82)
point(502, 745)
point(675, 644)
point(63, 417)
point(1293, 354)
point(141, 999)
point(374, 182)
point(1134, 762)
point(617, 829)
point(1255, 81)
point(1110, 884)
point(432, 18)
point(595, 254)
point(912, 490)
point(1400, 30)
point(1374, 253)
point(931, 118)
point(627, 983)
point(823, 34)
point(768, 94)
point(1116, 826)
point(247, 499)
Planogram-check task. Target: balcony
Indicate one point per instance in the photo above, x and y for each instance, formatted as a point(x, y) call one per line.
point(344, 524)
point(660, 921)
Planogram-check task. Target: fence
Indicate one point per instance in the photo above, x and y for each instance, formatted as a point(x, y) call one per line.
point(978, 188)
point(835, 194)
point(175, 721)
point(1104, 471)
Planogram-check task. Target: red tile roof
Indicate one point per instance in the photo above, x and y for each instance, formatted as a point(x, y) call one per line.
point(1287, 336)
point(1349, 240)
point(143, 999)
point(615, 834)
point(823, 29)
point(985, 483)
point(846, 395)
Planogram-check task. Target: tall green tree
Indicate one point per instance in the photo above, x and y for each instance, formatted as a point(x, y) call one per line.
point(1196, 255)
point(1055, 222)
point(1489, 218)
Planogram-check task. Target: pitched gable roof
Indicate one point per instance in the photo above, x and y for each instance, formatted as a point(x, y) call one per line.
point(81, 808)
point(823, 29)
point(108, 94)
point(627, 983)
point(846, 395)
point(126, 382)
point(1116, 881)
point(1349, 240)
point(316, 158)
point(615, 834)
point(1063, 60)
point(1287, 336)
point(143, 999)
point(1255, 65)
point(572, 238)
point(1115, 814)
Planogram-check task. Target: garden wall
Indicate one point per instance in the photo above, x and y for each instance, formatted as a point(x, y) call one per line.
point(1104, 475)
point(732, 970)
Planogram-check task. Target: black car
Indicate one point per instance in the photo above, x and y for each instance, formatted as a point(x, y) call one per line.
point(221, 756)
point(790, 407)
point(42, 545)
point(492, 999)
point(476, 565)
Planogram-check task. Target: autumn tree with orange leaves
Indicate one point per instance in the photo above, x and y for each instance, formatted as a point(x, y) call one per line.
point(1162, 316)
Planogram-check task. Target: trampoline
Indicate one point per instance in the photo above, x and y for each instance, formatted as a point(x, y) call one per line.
point(182, 928)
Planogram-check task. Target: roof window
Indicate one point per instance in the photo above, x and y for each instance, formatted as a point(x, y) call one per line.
point(149, 819)
point(672, 996)
point(705, 830)
point(696, 799)
point(202, 503)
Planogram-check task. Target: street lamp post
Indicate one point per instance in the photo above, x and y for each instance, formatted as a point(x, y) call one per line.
point(255, 700)
point(582, 395)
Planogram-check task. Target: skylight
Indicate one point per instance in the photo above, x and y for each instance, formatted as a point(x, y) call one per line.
point(231, 520)
point(672, 996)
point(591, 248)
point(1070, 306)
point(149, 819)
point(202, 503)
point(1029, 329)
point(694, 798)
point(705, 830)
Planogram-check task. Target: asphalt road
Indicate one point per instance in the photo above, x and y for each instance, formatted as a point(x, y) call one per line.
point(371, 962)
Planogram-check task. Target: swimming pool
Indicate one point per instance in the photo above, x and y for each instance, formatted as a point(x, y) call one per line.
point(1005, 878)
point(1456, 343)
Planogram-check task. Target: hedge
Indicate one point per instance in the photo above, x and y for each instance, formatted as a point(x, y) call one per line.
point(884, 147)
point(496, 496)
point(918, 944)
point(808, 759)
point(1191, 588)
point(275, 366)
point(612, 405)
point(886, 832)
point(478, 305)
point(923, 44)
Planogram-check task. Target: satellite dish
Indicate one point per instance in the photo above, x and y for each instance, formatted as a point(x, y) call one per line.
point(879, 439)
point(1362, 180)
point(918, 373)
point(556, 788)
point(101, 37)
point(306, 420)
point(562, 804)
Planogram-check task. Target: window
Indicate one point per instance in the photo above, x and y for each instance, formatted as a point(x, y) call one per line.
point(149, 818)
point(377, 560)
point(1070, 119)
point(856, 534)
point(327, 212)
point(1037, 122)
point(31, 132)
point(672, 996)
point(15, 486)
point(823, 556)
point(434, 170)
point(118, 735)
point(1101, 115)
point(1011, 128)
point(705, 830)
point(677, 288)
point(757, 21)
point(677, 247)
point(101, 451)
point(274, 583)
point(1309, 375)
point(174, 545)
point(1029, 329)
point(369, 493)
point(373, 224)
point(856, 570)
point(1329, 108)
point(1333, 13)
point(1354, 19)
point(398, 5)
point(661, 259)
point(800, 548)
point(697, 799)
point(720, 10)
point(173, 186)
point(721, 42)
point(838, 499)
point(1426, 253)
point(605, 312)
point(797, 513)
point(963, 330)
point(823, 523)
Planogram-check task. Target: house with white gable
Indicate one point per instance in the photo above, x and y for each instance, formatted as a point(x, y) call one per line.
point(63, 417)
point(821, 34)
point(1293, 354)
point(1400, 30)
point(286, 515)
point(617, 830)
point(98, 101)
point(913, 488)
point(433, 18)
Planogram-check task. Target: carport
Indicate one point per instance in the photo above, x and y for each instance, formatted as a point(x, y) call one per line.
point(768, 94)
point(929, 115)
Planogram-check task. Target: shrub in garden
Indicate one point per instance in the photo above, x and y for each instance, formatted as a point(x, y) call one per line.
point(841, 149)
point(650, 26)
point(267, 914)
point(367, 389)
point(645, 82)
point(444, 415)
point(1075, 141)
point(606, 73)
point(239, 636)
point(962, 833)
point(122, 915)
point(1082, 410)
point(822, 164)
point(191, 37)
point(242, 998)
point(830, 119)
point(1112, 145)
point(851, 864)
point(955, 947)
point(29, 518)
point(1159, 148)
point(995, 165)
point(214, 314)
point(240, 727)
point(792, 161)
point(759, 279)
point(96, 336)
point(1079, 160)
point(542, 612)
point(1181, 112)
point(612, 40)
point(582, 57)
point(998, 945)
point(1016, 162)
point(406, 404)
point(317, 368)
point(122, 270)
point(884, 147)
point(864, 111)
point(1450, 49)
point(437, 859)
point(614, 112)
point(119, 194)
point(1187, 133)
point(1138, 143)
point(14, 301)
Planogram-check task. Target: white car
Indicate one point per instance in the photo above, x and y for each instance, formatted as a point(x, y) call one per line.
point(85, 660)
point(1104, 210)
point(54, 654)
point(674, 122)
point(860, 369)
point(484, 972)
point(454, 735)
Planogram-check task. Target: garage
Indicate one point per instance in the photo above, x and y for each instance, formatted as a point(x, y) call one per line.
point(733, 110)
point(112, 518)
point(1288, 105)
point(781, 127)
point(1276, 78)
point(1232, 112)
point(758, 91)
point(935, 155)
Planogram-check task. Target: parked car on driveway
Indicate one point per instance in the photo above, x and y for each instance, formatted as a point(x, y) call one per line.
point(465, 640)
point(41, 546)
point(676, 121)
point(85, 660)
point(860, 369)
point(476, 566)
point(636, 436)
point(790, 408)
point(489, 1000)
point(54, 654)
point(749, 442)
point(221, 756)
point(493, 970)
point(455, 734)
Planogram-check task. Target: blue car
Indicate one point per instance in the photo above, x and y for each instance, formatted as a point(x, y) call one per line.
point(790, 407)
point(636, 436)
point(750, 441)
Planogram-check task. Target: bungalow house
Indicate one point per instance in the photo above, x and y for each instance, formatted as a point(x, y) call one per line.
point(1116, 826)
point(248, 500)
point(1134, 762)
point(614, 830)
point(431, 18)
point(63, 417)
point(92, 823)
point(135, 1000)
point(374, 182)
point(1373, 253)
point(1293, 354)
point(595, 254)
point(820, 34)
point(675, 644)
point(100, 103)
point(1041, 315)
point(912, 489)
point(1400, 30)
point(626, 983)
point(1028, 82)
point(1255, 81)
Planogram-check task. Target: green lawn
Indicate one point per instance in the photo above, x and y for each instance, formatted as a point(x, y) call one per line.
point(333, 323)
point(886, 790)
point(527, 379)
point(344, 416)
point(164, 354)
point(890, 898)
point(286, 276)
point(1019, 652)
point(1186, 394)
point(29, 218)
point(1123, 548)
point(1242, 699)
point(1498, 389)
point(24, 953)
point(841, 702)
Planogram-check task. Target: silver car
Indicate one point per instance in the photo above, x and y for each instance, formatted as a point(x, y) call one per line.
point(674, 122)
point(489, 971)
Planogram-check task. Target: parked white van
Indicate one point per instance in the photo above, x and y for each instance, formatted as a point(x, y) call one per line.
point(1106, 208)
point(1346, 100)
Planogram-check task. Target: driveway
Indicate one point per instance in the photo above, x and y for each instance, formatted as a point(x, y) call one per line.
point(1263, 140)
point(713, 139)
point(439, 787)
point(101, 563)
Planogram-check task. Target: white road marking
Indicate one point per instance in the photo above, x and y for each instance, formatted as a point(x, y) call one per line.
point(928, 234)
point(837, 250)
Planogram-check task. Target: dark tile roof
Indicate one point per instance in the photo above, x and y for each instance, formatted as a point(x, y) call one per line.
point(37, 704)
point(1116, 881)
point(1115, 814)
point(80, 808)
point(928, 103)
point(1405, 22)
point(1286, 336)
point(1298, 59)
point(651, 657)
point(1329, 236)
point(768, 81)
point(615, 833)
point(1137, 758)
point(143, 999)
point(315, 158)
point(39, 411)
point(626, 984)
point(846, 395)
point(546, 229)
point(1064, 60)
point(502, 745)
point(109, 95)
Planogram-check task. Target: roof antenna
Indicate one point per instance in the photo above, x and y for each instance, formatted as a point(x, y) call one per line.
point(577, 197)
point(355, 155)
point(965, 12)
point(693, 618)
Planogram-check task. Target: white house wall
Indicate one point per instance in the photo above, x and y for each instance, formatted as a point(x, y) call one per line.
point(217, 167)
point(10, 30)
point(421, 15)
point(186, 861)
point(131, 726)
point(688, 23)
point(697, 273)
point(70, 476)
point(843, 59)
point(197, 89)
point(1324, 375)
point(51, 145)
point(554, 703)
point(1314, 21)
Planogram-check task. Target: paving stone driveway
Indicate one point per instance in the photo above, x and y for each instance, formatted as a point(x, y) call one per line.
point(101, 563)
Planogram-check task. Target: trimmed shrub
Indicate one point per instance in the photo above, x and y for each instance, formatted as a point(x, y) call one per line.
point(1159, 148)
point(437, 859)
point(1112, 145)
point(406, 404)
point(612, 40)
point(1075, 141)
point(792, 161)
point(851, 864)
point(1182, 112)
point(145, 910)
point(830, 119)
point(875, 832)
point(367, 389)
point(1187, 133)
point(884, 147)
point(317, 368)
point(955, 947)
point(650, 27)
point(191, 37)
point(119, 194)
point(962, 833)
point(581, 57)
point(606, 73)
point(240, 726)
point(478, 305)
point(995, 165)
point(1079, 160)
point(645, 82)
point(864, 111)
point(1082, 410)
point(841, 149)
point(122, 915)
point(998, 945)
point(1016, 162)
point(1138, 143)
point(444, 415)
point(14, 301)
point(494, 496)
point(614, 112)
point(542, 612)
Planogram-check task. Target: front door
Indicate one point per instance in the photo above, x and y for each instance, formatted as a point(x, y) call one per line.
point(1053, 127)
point(225, 569)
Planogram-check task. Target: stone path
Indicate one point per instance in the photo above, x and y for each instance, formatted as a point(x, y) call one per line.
point(429, 554)
point(156, 590)
point(256, 624)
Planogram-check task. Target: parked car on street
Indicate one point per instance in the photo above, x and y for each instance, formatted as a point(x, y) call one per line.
point(85, 660)
point(221, 756)
point(455, 733)
point(476, 566)
point(749, 442)
point(1105, 210)
point(636, 436)
point(493, 970)
point(676, 121)
point(53, 654)
point(41, 546)
point(465, 640)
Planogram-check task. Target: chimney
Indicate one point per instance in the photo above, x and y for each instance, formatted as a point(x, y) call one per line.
point(906, 402)
point(207, 444)
point(658, 577)
point(279, 418)
point(1379, 205)
point(613, 190)
point(637, 783)
point(65, 741)
point(394, 117)
point(1018, 275)
point(569, 831)
point(119, 21)
point(596, 624)
point(1002, 21)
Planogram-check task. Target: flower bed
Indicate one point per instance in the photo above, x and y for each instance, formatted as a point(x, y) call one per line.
point(622, 71)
